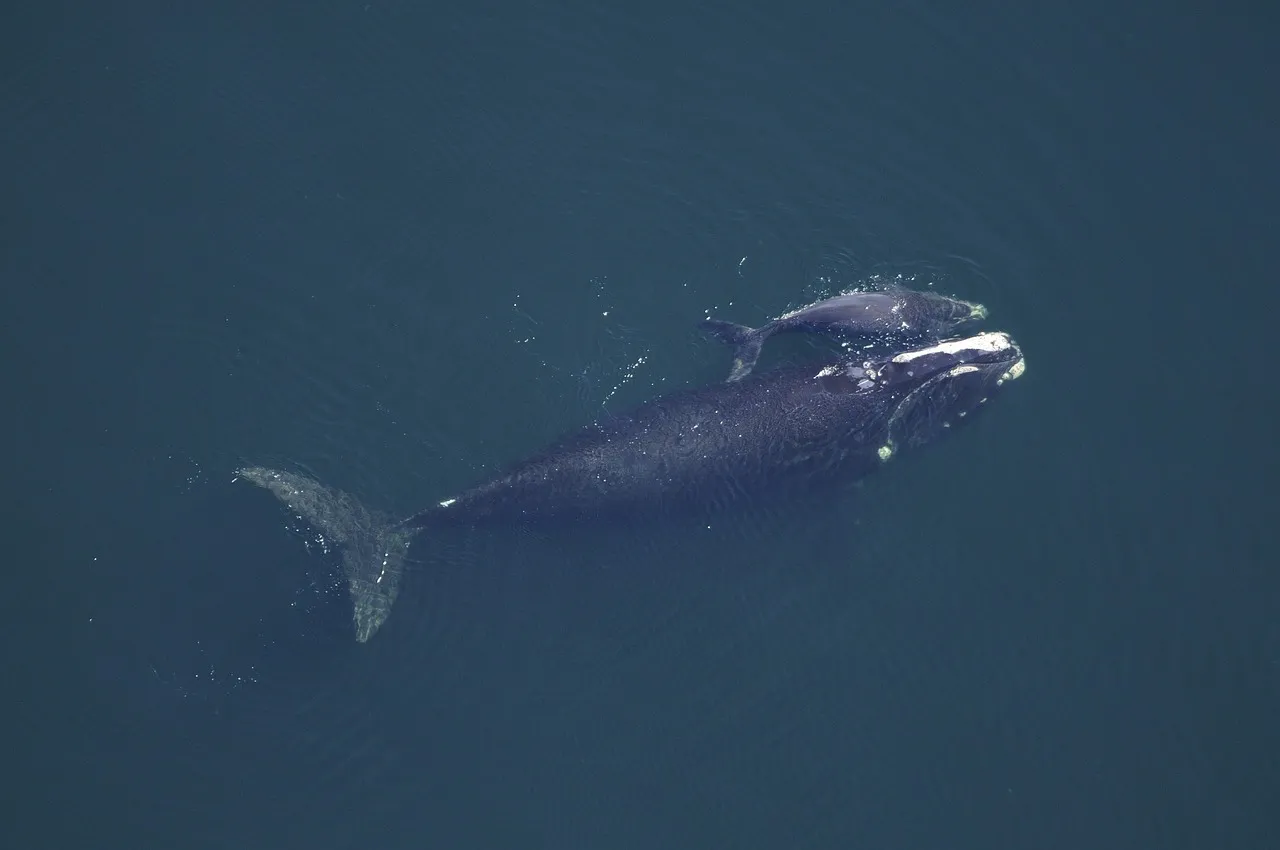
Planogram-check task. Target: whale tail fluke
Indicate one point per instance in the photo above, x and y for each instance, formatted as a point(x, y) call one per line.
point(373, 546)
point(746, 344)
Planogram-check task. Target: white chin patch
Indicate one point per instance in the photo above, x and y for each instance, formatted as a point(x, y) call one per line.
point(1014, 373)
point(987, 342)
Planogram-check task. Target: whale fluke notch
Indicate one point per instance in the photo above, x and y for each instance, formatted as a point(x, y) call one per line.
point(373, 546)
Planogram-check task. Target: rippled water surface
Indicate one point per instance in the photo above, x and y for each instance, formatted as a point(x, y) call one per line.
point(395, 246)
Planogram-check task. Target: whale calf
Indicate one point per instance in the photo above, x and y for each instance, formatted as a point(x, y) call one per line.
point(898, 314)
point(787, 431)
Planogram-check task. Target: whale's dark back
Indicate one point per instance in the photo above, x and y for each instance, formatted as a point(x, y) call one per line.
point(903, 315)
point(700, 449)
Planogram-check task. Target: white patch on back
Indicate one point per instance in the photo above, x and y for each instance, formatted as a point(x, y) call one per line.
point(995, 341)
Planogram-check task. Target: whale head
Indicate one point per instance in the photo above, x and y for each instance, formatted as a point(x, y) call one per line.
point(940, 312)
point(940, 387)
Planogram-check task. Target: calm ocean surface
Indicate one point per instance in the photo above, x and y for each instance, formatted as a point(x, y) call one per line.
point(397, 245)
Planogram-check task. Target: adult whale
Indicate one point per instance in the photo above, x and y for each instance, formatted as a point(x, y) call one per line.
point(695, 451)
point(895, 315)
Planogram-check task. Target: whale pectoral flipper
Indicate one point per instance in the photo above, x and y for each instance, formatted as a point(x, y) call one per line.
point(373, 547)
point(746, 343)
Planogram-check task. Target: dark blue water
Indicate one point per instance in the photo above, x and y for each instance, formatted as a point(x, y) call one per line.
point(396, 245)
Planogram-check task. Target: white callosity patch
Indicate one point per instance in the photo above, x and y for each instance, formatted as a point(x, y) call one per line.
point(863, 373)
point(1014, 373)
point(986, 342)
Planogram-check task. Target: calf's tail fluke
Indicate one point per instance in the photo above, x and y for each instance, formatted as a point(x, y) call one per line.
point(746, 344)
point(373, 546)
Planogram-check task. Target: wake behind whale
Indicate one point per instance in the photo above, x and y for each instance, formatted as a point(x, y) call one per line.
point(698, 451)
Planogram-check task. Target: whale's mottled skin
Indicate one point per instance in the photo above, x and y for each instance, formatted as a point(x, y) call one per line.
point(898, 315)
point(694, 451)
